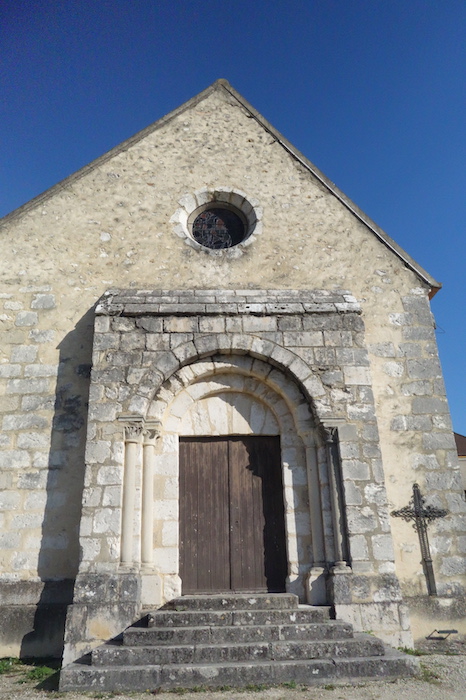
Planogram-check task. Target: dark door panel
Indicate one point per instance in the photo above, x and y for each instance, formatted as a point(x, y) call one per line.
point(204, 518)
point(232, 526)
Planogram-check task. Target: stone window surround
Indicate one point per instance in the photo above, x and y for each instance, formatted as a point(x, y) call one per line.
point(193, 204)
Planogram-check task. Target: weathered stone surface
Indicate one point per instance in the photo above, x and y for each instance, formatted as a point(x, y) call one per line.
point(26, 318)
point(185, 655)
point(361, 520)
point(358, 348)
point(356, 470)
point(24, 353)
point(27, 386)
point(43, 301)
point(422, 423)
point(15, 459)
point(38, 336)
point(235, 602)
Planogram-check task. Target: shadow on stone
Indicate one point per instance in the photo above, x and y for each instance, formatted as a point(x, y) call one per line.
point(59, 549)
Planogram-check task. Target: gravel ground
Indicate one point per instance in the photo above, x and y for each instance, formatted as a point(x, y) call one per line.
point(442, 676)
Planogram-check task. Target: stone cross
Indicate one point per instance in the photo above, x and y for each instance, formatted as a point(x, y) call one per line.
point(422, 515)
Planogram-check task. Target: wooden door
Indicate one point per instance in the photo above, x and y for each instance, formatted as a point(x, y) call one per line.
point(232, 526)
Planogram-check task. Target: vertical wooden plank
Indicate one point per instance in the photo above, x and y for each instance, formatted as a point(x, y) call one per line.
point(188, 509)
point(200, 454)
point(241, 511)
point(257, 514)
point(232, 524)
point(247, 543)
point(259, 523)
point(204, 515)
point(221, 531)
point(213, 528)
point(236, 541)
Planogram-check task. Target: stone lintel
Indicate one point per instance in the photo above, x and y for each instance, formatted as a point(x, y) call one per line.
point(226, 302)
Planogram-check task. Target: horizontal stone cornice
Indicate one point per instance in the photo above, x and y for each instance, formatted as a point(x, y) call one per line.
point(259, 302)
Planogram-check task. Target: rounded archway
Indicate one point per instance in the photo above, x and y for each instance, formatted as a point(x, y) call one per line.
point(238, 404)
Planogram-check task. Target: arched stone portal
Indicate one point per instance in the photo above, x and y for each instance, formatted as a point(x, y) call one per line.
point(291, 365)
point(238, 395)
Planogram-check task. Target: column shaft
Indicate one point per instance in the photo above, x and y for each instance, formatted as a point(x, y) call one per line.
point(315, 503)
point(147, 524)
point(132, 437)
point(338, 517)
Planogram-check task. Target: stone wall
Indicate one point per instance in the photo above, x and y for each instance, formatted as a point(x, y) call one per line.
point(113, 225)
point(419, 421)
point(314, 339)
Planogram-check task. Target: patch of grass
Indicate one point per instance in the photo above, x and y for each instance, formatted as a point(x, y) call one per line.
point(428, 675)
point(43, 672)
point(290, 684)
point(8, 664)
point(412, 652)
point(329, 686)
point(256, 687)
point(37, 674)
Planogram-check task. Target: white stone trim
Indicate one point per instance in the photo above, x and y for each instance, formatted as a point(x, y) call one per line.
point(133, 435)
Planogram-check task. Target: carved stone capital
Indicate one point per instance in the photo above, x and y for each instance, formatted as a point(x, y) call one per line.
point(330, 434)
point(151, 432)
point(132, 427)
point(133, 432)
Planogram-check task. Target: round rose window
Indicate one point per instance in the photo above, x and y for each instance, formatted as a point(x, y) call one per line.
point(218, 228)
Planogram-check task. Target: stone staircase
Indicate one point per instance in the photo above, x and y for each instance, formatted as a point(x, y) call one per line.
point(235, 640)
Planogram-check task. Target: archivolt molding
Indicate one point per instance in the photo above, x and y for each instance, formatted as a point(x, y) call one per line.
point(235, 375)
point(271, 354)
point(250, 383)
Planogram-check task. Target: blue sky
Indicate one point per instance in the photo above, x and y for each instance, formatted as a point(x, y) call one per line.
point(372, 91)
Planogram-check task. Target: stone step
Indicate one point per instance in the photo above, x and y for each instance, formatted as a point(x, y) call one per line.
point(360, 645)
point(148, 636)
point(235, 674)
point(216, 641)
point(204, 618)
point(229, 601)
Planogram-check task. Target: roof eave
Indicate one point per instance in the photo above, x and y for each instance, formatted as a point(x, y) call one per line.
point(432, 283)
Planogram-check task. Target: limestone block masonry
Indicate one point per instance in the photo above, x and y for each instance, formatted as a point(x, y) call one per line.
point(158, 357)
point(231, 342)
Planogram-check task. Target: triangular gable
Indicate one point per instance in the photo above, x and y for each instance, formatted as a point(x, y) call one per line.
point(222, 84)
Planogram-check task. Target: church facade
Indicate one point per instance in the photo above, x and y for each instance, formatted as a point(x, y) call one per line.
point(218, 375)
